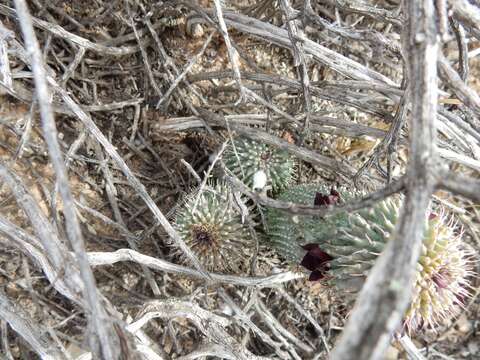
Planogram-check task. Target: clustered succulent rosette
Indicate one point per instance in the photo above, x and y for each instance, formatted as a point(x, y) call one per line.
point(211, 225)
point(344, 256)
point(245, 158)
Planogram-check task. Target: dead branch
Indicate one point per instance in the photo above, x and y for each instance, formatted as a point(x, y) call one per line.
point(29, 330)
point(105, 339)
point(211, 325)
point(232, 52)
point(468, 14)
point(464, 93)
point(273, 34)
point(105, 258)
point(461, 185)
point(56, 252)
point(61, 32)
point(386, 293)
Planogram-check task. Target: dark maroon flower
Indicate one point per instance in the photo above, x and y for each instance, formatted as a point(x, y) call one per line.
point(316, 260)
point(432, 216)
point(325, 200)
point(317, 275)
point(334, 192)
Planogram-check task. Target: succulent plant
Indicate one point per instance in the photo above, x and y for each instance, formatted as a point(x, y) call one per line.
point(343, 258)
point(290, 233)
point(443, 269)
point(246, 158)
point(211, 225)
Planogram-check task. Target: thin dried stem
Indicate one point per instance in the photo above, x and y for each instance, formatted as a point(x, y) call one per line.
point(385, 296)
point(29, 330)
point(104, 341)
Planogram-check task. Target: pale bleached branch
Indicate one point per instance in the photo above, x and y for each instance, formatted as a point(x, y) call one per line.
point(232, 52)
point(62, 33)
point(212, 326)
point(110, 258)
point(131, 178)
point(466, 94)
point(31, 331)
point(105, 339)
point(461, 185)
point(384, 298)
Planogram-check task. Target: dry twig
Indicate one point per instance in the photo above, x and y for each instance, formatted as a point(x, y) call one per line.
point(386, 293)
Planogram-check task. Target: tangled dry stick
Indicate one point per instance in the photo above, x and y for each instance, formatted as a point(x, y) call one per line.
point(355, 47)
point(385, 296)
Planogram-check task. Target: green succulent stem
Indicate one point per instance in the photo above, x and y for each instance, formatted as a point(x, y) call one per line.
point(210, 223)
point(245, 157)
point(349, 244)
point(289, 232)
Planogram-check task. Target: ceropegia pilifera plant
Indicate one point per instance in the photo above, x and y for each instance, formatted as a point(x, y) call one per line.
point(290, 233)
point(342, 257)
point(210, 223)
point(248, 158)
point(443, 271)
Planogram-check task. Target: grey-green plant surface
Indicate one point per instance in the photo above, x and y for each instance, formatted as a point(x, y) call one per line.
point(210, 223)
point(245, 158)
point(443, 271)
point(349, 244)
point(289, 232)
point(358, 243)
